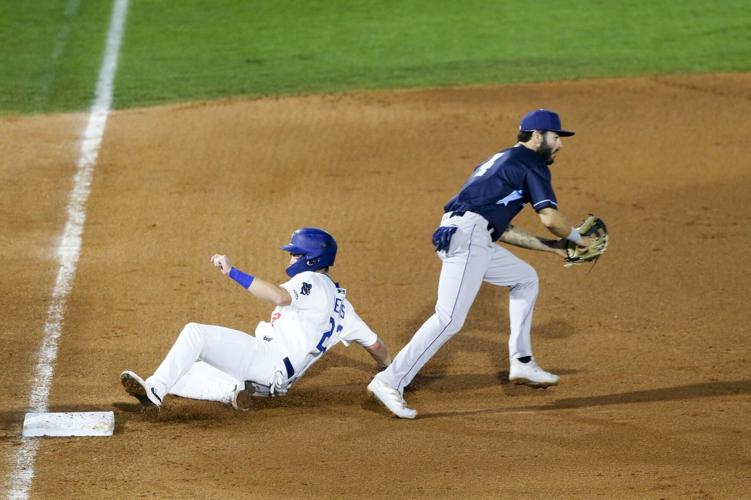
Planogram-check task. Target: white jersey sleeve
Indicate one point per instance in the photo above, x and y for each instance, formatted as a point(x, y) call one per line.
point(304, 297)
point(356, 330)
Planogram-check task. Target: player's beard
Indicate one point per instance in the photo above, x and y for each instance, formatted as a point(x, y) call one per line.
point(546, 151)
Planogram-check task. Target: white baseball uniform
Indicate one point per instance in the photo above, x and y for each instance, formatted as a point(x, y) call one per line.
point(208, 362)
point(472, 258)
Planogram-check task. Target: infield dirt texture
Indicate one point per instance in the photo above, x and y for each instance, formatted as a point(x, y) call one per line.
point(653, 346)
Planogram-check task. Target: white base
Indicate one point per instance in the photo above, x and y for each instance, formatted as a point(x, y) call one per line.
point(98, 423)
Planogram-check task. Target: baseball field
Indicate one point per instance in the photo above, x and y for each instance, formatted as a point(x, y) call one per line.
point(138, 138)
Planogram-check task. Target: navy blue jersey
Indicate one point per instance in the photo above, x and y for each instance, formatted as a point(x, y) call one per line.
point(500, 187)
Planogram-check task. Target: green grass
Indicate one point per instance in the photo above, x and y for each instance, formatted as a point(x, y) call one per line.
point(199, 49)
point(50, 52)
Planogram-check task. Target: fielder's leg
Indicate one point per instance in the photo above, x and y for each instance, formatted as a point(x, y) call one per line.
point(462, 272)
point(506, 269)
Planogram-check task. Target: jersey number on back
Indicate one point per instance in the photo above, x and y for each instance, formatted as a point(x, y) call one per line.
point(338, 311)
point(328, 333)
point(480, 171)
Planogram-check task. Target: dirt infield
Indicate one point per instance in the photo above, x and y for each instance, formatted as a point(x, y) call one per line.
point(653, 346)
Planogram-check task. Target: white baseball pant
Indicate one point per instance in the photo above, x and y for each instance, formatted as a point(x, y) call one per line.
point(471, 259)
point(235, 353)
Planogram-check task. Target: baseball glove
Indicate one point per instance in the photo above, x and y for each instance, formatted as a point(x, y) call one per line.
point(595, 228)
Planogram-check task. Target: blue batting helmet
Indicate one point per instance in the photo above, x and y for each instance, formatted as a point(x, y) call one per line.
point(317, 247)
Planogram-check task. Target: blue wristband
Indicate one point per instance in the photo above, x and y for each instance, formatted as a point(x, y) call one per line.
point(243, 279)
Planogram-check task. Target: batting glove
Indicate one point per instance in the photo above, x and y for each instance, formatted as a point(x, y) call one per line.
point(442, 238)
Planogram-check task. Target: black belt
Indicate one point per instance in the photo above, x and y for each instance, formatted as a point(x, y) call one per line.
point(289, 367)
point(494, 233)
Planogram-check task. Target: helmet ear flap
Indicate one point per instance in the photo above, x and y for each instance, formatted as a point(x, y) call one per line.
point(296, 268)
point(316, 247)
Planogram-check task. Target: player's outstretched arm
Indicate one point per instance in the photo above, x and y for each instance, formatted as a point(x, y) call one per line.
point(261, 289)
point(558, 224)
point(380, 353)
point(522, 239)
point(270, 293)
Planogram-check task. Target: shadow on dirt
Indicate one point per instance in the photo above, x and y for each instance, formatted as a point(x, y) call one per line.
point(680, 393)
point(465, 381)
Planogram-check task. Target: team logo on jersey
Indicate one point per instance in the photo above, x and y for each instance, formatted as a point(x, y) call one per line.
point(306, 288)
point(514, 195)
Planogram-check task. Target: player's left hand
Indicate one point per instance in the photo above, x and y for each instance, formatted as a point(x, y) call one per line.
point(222, 263)
point(560, 247)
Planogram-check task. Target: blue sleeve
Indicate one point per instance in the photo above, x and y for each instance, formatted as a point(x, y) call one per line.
point(540, 191)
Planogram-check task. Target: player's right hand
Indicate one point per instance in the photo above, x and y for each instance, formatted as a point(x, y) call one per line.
point(222, 263)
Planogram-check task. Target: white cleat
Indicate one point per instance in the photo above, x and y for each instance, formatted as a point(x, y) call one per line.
point(530, 374)
point(139, 389)
point(391, 399)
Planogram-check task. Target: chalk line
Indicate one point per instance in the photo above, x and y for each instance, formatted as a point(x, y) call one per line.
point(69, 248)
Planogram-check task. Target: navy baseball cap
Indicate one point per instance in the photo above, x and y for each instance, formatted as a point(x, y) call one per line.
point(543, 119)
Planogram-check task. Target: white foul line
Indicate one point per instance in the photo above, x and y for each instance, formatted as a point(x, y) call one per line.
point(69, 248)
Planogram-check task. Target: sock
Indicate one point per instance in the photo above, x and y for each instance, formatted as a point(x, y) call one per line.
point(525, 359)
